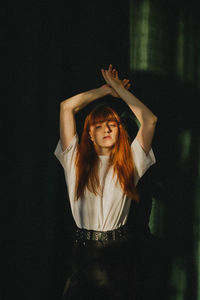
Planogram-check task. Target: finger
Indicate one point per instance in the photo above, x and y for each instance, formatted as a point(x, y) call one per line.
point(103, 72)
point(107, 72)
point(104, 75)
point(108, 76)
point(126, 80)
point(128, 86)
point(114, 72)
point(125, 85)
point(110, 68)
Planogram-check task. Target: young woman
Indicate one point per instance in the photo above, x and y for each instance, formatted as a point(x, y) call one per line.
point(101, 174)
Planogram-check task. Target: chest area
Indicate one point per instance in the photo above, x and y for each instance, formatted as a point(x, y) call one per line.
point(107, 179)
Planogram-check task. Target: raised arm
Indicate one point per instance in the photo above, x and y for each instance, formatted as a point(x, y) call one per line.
point(144, 115)
point(70, 106)
point(68, 109)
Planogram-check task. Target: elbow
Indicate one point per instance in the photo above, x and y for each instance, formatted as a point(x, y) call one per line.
point(154, 120)
point(65, 105)
point(149, 121)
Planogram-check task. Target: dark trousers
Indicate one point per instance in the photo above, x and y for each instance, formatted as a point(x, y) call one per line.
point(127, 269)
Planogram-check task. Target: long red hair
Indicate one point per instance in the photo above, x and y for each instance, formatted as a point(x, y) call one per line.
point(120, 157)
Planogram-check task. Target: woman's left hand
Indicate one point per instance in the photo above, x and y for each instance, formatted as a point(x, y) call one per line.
point(112, 79)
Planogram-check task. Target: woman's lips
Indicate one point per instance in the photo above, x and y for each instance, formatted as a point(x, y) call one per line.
point(107, 137)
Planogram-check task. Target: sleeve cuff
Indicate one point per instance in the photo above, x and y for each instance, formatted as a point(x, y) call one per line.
point(142, 160)
point(59, 150)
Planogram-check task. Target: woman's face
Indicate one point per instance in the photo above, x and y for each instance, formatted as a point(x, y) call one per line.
point(104, 136)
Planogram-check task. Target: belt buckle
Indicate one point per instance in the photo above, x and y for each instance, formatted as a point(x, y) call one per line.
point(99, 235)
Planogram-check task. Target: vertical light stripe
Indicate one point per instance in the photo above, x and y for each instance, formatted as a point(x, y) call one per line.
point(180, 52)
point(152, 220)
point(178, 281)
point(139, 35)
point(197, 226)
point(184, 140)
point(156, 221)
point(144, 36)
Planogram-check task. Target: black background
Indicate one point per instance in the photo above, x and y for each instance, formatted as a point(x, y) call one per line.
point(51, 51)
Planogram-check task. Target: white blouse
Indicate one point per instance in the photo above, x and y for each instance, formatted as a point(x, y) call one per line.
point(110, 210)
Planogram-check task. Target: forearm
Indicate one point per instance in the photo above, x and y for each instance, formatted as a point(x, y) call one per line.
point(140, 110)
point(77, 102)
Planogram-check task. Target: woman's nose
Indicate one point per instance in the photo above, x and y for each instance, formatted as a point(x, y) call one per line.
point(107, 128)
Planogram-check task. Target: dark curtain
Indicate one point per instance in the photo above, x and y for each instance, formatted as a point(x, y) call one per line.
point(164, 58)
point(53, 50)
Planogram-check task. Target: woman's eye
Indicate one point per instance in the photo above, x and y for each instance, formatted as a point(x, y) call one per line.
point(112, 124)
point(98, 126)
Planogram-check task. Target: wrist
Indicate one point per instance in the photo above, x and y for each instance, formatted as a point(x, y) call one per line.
point(103, 91)
point(118, 87)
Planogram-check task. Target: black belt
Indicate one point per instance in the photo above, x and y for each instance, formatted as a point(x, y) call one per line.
point(110, 235)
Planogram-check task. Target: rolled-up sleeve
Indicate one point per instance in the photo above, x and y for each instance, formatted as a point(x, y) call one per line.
point(142, 161)
point(66, 157)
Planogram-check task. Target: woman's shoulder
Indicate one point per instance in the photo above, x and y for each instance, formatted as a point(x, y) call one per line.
point(142, 161)
point(67, 156)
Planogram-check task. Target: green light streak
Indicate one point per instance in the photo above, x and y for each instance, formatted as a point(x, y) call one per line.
point(185, 55)
point(185, 144)
point(198, 267)
point(197, 226)
point(143, 62)
point(156, 217)
point(139, 35)
point(178, 281)
point(180, 52)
